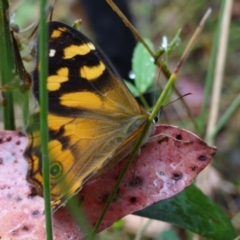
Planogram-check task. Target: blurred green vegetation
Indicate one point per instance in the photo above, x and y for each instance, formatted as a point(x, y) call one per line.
point(155, 19)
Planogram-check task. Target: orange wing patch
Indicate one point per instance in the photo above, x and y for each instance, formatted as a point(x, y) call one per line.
point(54, 81)
point(92, 73)
point(58, 33)
point(73, 50)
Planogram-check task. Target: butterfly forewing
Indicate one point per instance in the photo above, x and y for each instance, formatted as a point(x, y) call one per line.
point(79, 73)
point(91, 116)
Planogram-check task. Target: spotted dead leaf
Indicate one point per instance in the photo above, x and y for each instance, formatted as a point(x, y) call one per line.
point(166, 165)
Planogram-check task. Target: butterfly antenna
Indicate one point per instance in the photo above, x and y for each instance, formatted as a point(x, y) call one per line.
point(50, 9)
point(177, 99)
point(157, 117)
point(49, 12)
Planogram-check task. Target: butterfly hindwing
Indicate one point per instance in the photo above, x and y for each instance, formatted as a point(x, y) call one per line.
point(92, 116)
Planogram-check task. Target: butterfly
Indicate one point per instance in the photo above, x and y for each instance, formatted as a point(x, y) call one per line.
point(93, 119)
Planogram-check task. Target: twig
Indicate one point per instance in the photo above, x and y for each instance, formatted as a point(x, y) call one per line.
point(192, 40)
point(219, 70)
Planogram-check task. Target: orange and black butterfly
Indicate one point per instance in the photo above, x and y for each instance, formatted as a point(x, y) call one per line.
point(93, 119)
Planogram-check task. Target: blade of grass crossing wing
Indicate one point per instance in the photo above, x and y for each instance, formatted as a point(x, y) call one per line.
point(43, 116)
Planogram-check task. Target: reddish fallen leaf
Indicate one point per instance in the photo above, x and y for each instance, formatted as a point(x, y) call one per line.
point(164, 168)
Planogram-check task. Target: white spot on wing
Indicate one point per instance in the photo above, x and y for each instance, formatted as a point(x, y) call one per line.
point(91, 46)
point(52, 52)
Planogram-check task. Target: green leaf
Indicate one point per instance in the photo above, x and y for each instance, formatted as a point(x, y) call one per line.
point(193, 210)
point(132, 88)
point(143, 67)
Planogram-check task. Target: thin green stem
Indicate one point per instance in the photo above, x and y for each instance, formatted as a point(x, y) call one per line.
point(43, 73)
point(6, 65)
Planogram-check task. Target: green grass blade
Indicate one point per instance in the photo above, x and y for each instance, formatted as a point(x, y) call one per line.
point(43, 116)
point(6, 65)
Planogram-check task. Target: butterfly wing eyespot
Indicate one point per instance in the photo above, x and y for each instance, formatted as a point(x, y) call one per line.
point(93, 118)
point(56, 169)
